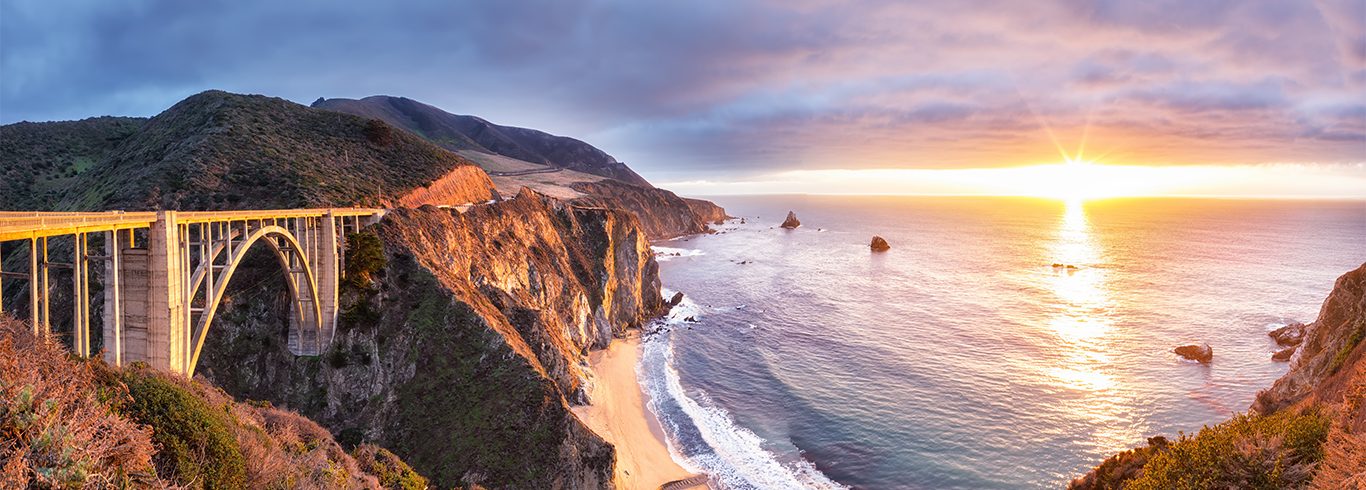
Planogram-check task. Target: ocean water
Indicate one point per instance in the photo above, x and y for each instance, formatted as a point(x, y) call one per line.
point(962, 358)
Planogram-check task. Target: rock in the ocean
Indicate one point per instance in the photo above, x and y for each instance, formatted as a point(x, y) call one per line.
point(791, 221)
point(1284, 355)
point(879, 244)
point(678, 298)
point(1292, 334)
point(1202, 353)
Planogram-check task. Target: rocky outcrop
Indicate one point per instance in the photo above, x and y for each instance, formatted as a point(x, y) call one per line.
point(1202, 352)
point(1326, 346)
point(879, 244)
point(464, 185)
point(465, 353)
point(1289, 335)
point(662, 214)
point(791, 221)
point(708, 211)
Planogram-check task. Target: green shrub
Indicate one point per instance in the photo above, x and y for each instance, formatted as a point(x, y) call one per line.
point(1346, 350)
point(1249, 451)
point(197, 446)
point(392, 472)
point(364, 257)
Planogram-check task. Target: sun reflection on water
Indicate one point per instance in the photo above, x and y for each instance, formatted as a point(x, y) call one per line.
point(1082, 328)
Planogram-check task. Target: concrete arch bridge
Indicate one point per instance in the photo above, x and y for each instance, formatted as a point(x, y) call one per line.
point(165, 273)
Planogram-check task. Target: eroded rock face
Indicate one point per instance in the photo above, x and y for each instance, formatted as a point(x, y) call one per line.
point(470, 348)
point(791, 221)
point(662, 213)
point(1202, 352)
point(1326, 344)
point(708, 211)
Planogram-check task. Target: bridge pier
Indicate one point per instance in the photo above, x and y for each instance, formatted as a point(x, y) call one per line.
point(159, 298)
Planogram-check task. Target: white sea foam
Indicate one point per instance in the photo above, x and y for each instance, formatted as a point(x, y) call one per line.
point(737, 459)
point(665, 254)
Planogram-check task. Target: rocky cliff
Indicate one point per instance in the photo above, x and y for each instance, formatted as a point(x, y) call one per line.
point(707, 211)
point(1330, 347)
point(662, 213)
point(466, 350)
point(463, 352)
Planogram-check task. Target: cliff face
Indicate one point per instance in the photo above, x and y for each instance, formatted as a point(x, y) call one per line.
point(467, 349)
point(1329, 348)
point(707, 211)
point(662, 213)
point(463, 185)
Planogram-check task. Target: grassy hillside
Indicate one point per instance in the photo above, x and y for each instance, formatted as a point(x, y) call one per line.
point(220, 151)
point(456, 132)
point(39, 160)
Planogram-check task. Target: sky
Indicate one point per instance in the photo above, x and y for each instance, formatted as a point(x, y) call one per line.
point(745, 95)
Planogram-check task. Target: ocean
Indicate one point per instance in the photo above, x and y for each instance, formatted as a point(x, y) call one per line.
point(962, 358)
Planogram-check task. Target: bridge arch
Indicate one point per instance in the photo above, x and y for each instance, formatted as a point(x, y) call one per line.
point(306, 318)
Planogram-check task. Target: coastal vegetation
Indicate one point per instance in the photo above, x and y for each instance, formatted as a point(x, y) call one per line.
point(462, 338)
point(67, 422)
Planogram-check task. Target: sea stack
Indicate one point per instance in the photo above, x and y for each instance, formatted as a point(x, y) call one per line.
point(791, 221)
point(879, 244)
point(1202, 353)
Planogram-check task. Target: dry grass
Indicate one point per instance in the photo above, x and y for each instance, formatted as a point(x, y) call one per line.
point(1344, 454)
point(61, 426)
point(57, 426)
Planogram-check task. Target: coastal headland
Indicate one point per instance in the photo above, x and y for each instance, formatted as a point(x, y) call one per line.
point(465, 340)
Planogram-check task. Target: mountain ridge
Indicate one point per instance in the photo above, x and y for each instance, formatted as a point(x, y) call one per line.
point(460, 132)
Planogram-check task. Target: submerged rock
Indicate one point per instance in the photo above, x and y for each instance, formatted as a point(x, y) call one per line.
point(879, 244)
point(1202, 353)
point(791, 221)
point(1292, 334)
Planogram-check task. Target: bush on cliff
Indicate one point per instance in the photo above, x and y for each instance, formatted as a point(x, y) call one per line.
point(1115, 472)
point(1249, 451)
point(364, 257)
point(196, 445)
point(391, 471)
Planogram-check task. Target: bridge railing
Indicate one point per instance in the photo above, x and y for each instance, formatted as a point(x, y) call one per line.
point(173, 245)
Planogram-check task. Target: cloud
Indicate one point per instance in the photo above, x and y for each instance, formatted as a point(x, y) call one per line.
point(738, 87)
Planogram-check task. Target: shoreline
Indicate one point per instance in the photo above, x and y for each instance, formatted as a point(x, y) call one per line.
point(618, 415)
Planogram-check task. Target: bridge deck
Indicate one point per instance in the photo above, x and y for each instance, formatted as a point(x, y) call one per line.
point(27, 225)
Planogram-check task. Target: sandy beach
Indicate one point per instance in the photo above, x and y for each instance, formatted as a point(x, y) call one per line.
point(618, 414)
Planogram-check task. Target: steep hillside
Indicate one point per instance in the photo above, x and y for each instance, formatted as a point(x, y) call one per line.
point(217, 150)
point(465, 351)
point(456, 132)
point(39, 160)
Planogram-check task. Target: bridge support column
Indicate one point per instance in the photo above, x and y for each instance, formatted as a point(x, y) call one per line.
point(166, 308)
point(326, 263)
point(113, 299)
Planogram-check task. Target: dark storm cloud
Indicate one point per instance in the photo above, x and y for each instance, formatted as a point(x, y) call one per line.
point(672, 86)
